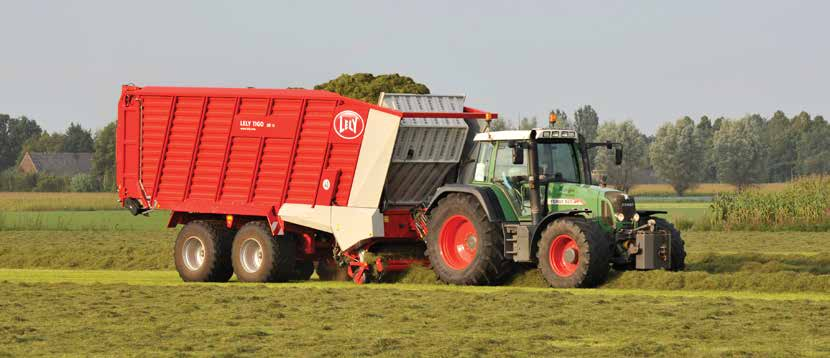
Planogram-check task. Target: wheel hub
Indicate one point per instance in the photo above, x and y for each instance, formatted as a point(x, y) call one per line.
point(193, 253)
point(564, 255)
point(570, 256)
point(251, 255)
point(458, 242)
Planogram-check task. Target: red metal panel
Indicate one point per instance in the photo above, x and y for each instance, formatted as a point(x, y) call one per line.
point(154, 118)
point(240, 168)
point(273, 169)
point(211, 152)
point(343, 156)
point(178, 154)
point(310, 152)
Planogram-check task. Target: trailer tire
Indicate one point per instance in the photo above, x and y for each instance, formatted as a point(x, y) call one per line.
point(678, 246)
point(203, 252)
point(463, 245)
point(259, 256)
point(573, 253)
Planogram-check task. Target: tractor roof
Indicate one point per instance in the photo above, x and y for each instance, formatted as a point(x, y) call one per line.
point(540, 133)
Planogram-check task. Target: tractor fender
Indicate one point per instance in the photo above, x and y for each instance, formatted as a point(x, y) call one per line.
point(537, 232)
point(488, 200)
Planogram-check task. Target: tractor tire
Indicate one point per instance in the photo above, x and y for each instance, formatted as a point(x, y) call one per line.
point(463, 246)
point(258, 256)
point(678, 247)
point(573, 253)
point(303, 270)
point(328, 270)
point(203, 252)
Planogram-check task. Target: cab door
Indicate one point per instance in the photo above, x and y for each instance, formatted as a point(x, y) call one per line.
point(495, 169)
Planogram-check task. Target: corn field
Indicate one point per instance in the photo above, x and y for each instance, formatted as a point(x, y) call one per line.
point(803, 204)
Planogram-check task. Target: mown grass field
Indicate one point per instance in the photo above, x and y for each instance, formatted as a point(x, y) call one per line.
point(102, 283)
point(57, 201)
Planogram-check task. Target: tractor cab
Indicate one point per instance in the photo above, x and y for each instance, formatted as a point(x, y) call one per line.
point(508, 162)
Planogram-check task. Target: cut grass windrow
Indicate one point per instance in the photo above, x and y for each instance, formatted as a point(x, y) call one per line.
point(327, 319)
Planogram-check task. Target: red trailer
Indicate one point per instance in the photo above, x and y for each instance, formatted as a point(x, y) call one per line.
point(268, 181)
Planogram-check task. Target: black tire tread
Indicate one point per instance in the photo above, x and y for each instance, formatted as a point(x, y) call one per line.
point(488, 269)
point(282, 250)
point(597, 256)
point(678, 246)
point(220, 267)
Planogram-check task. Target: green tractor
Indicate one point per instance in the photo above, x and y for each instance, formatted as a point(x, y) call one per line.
point(530, 201)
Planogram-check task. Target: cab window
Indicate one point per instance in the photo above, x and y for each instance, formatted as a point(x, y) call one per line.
point(485, 152)
point(513, 178)
point(558, 162)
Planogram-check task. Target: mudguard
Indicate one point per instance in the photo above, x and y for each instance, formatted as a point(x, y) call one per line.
point(488, 200)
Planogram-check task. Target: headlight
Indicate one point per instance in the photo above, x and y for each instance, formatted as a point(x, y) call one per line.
point(636, 218)
point(620, 217)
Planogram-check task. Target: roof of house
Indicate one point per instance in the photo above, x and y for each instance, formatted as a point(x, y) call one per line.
point(62, 163)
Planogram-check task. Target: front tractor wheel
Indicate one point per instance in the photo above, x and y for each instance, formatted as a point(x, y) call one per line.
point(259, 256)
point(573, 254)
point(464, 247)
point(203, 252)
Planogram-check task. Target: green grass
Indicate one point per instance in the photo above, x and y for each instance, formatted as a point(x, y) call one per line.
point(743, 261)
point(388, 320)
point(105, 220)
point(57, 201)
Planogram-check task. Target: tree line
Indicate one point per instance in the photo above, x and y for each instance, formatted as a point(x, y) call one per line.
point(19, 135)
point(739, 151)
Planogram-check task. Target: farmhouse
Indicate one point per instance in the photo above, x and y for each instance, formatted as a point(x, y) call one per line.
point(60, 164)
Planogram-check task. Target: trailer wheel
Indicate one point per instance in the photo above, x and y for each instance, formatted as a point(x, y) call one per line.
point(678, 247)
point(203, 252)
point(572, 253)
point(463, 246)
point(258, 256)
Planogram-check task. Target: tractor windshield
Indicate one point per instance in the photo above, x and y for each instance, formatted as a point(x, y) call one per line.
point(559, 162)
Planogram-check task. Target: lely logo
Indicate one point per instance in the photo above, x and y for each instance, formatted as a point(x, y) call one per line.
point(348, 125)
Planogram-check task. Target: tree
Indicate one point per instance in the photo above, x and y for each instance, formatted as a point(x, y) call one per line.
point(739, 153)
point(527, 123)
point(45, 142)
point(780, 141)
point(813, 148)
point(13, 133)
point(586, 122)
point(635, 153)
point(367, 87)
point(676, 155)
point(78, 139)
point(103, 159)
point(705, 133)
point(499, 124)
point(561, 120)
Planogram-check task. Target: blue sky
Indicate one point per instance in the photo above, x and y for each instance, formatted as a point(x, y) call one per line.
point(648, 61)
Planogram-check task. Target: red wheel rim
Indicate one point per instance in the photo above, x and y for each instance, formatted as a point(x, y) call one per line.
point(564, 255)
point(458, 242)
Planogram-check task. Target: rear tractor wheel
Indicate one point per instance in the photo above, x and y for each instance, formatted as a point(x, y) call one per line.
point(203, 252)
point(259, 256)
point(572, 253)
point(463, 246)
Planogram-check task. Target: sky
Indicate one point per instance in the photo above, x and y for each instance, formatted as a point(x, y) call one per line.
point(647, 61)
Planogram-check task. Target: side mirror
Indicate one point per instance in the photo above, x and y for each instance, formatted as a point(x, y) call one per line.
point(618, 156)
point(518, 155)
